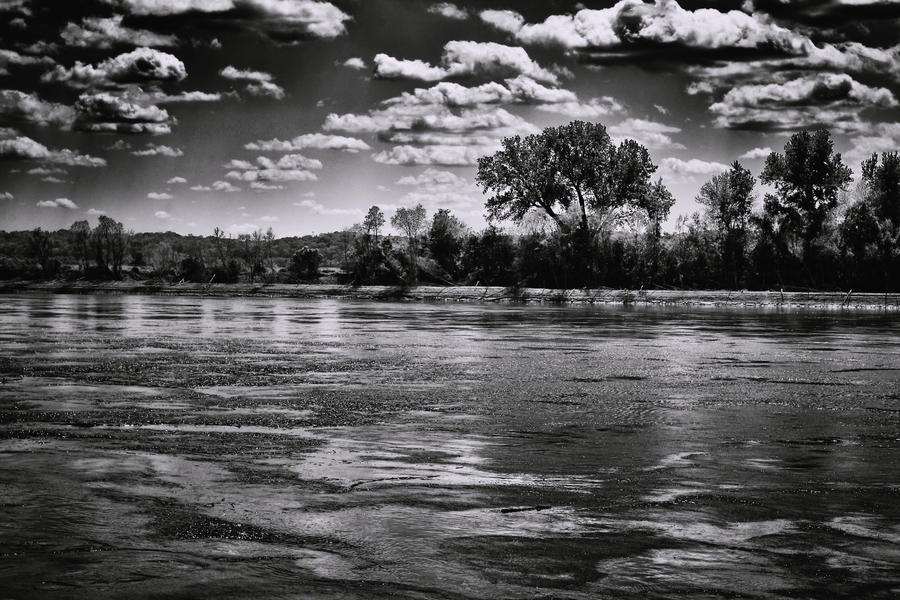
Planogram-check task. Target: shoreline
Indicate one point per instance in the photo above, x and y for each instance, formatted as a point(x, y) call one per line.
point(482, 294)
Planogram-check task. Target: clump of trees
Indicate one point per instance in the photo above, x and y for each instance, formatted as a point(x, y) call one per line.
point(586, 212)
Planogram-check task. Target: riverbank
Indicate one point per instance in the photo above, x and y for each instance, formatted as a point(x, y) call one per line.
point(764, 299)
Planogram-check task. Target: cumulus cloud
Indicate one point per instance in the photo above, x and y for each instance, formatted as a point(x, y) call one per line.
point(161, 214)
point(58, 203)
point(139, 65)
point(160, 196)
point(494, 121)
point(521, 89)
point(120, 113)
point(320, 209)
point(650, 133)
point(153, 150)
point(466, 58)
point(176, 180)
point(441, 155)
point(448, 10)
point(290, 167)
point(11, 57)
point(95, 212)
point(285, 21)
point(355, 63)
point(592, 109)
point(97, 32)
point(28, 107)
point(260, 83)
point(6, 196)
point(634, 22)
point(756, 153)
point(25, 148)
point(687, 169)
point(318, 141)
point(806, 101)
point(432, 177)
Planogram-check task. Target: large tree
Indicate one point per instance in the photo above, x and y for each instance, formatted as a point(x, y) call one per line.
point(574, 167)
point(808, 178)
point(728, 204)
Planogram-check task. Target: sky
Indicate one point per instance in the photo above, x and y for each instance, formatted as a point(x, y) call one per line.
point(186, 115)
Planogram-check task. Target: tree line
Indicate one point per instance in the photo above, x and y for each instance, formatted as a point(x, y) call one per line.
point(587, 212)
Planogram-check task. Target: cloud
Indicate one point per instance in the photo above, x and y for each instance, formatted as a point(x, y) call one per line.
point(95, 212)
point(681, 169)
point(161, 214)
point(355, 63)
point(243, 229)
point(58, 203)
point(448, 10)
point(634, 22)
point(262, 186)
point(152, 150)
point(290, 167)
point(25, 148)
point(261, 83)
point(193, 96)
point(286, 21)
point(176, 180)
point(442, 155)
point(11, 57)
point(593, 109)
point(269, 219)
point(466, 58)
point(28, 107)
point(432, 177)
point(6, 196)
point(139, 65)
point(756, 153)
point(320, 209)
point(107, 112)
point(650, 133)
point(97, 32)
point(880, 137)
point(46, 171)
point(224, 186)
point(160, 196)
point(825, 98)
point(318, 141)
point(497, 122)
point(521, 90)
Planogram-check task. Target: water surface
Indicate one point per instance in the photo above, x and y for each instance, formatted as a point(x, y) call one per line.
point(248, 448)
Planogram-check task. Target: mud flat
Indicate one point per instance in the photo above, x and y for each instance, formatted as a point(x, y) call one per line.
point(487, 294)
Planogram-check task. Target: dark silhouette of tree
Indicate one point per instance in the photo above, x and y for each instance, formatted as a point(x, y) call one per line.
point(445, 240)
point(728, 201)
point(656, 203)
point(807, 177)
point(81, 242)
point(40, 246)
point(411, 222)
point(373, 222)
point(877, 215)
point(305, 263)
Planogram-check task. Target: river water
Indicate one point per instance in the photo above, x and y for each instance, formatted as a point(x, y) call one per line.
point(158, 447)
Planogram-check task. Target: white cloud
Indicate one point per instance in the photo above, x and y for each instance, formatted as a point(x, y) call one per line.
point(505, 20)
point(756, 153)
point(243, 229)
point(6, 196)
point(282, 20)
point(320, 209)
point(95, 212)
point(290, 167)
point(97, 32)
point(593, 109)
point(58, 203)
point(464, 58)
point(22, 106)
point(650, 133)
point(355, 63)
point(224, 186)
point(176, 179)
point(681, 169)
point(139, 65)
point(262, 186)
point(433, 155)
point(161, 214)
point(261, 83)
point(160, 196)
point(269, 219)
point(432, 177)
point(448, 10)
point(25, 148)
point(107, 112)
point(153, 150)
point(318, 141)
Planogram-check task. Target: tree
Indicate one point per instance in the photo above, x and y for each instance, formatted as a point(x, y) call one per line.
point(40, 247)
point(373, 222)
point(411, 222)
point(305, 262)
point(807, 177)
point(878, 214)
point(81, 240)
point(728, 201)
point(445, 240)
point(656, 203)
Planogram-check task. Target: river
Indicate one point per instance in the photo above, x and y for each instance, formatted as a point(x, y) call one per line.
point(156, 447)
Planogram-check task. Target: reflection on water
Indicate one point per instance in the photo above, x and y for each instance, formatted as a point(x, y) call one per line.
point(238, 448)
